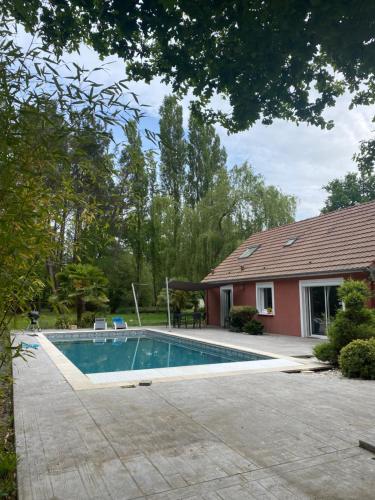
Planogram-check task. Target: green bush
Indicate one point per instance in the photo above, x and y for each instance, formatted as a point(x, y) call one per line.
point(356, 321)
point(8, 466)
point(240, 315)
point(357, 359)
point(325, 352)
point(88, 319)
point(254, 327)
point(62, 322)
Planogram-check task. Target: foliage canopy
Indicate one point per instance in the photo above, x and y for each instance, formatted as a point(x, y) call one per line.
point(288, 60)
point(355, 187)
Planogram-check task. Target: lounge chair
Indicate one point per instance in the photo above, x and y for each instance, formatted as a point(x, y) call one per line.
point(119, 323)
point(100, 324)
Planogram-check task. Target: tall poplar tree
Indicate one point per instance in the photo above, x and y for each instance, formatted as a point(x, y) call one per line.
point(172, 149)
point(205, 157)
point(172, 161)
point(134, 186)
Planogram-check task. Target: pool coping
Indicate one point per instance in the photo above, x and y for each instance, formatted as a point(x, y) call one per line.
point(79, 381)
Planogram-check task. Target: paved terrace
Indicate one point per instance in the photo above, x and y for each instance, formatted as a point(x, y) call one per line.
point(262, 435)
point(278, 344)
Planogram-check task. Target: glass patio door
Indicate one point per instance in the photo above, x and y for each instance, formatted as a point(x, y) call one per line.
point(322, 306)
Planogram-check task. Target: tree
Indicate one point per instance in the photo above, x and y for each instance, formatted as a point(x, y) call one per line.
point(154, 226)
point(81, 286)
point(355, 187)
point(205, 157)
point(288, 60)
point(172, 160)
point(89, 214)
point(238, 205)
point(172, 149)
point(134, 186)
point(257, 206)
point(40, 96)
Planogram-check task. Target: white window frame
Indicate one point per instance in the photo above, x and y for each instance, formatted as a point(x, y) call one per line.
point(259, 298)
point(303, 285)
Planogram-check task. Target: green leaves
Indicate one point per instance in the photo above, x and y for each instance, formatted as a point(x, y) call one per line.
point(81, 285)
point(355, 187)
point(264, 57)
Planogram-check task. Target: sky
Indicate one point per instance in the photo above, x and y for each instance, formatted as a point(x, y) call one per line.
point(299, 159)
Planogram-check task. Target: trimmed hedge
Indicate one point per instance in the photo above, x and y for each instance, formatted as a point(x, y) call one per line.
point(254, 327)
point(357, 359)
point(240, 315)
point(325, 352)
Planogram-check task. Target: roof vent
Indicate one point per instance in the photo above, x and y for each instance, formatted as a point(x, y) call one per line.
point(289, 242)
point(249, 251)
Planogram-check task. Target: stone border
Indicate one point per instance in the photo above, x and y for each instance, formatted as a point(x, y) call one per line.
point(80, 381)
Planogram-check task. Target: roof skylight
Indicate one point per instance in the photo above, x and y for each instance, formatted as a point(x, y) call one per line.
point(289, 242)
point(249, 251)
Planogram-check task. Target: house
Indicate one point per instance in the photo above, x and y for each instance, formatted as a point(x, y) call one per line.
point(291, 273)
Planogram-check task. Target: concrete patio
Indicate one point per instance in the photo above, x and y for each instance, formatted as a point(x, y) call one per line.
point(262, 435)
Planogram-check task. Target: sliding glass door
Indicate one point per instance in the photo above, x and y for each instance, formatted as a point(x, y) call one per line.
point(320, 304)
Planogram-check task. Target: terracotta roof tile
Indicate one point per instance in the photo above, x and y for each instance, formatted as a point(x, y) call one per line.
point(339, 241)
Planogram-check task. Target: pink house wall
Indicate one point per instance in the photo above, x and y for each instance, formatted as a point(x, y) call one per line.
point(286, 320)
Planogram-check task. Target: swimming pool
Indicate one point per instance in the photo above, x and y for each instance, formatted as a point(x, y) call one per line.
point(142, 350)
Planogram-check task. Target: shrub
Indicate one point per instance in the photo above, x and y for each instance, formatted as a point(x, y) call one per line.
point(254, 327)
point(8, 466)
point(240, 315)
point(87, 319)
point(325, 352)
point(356, 321)
point(62, 322)
point(357, 359)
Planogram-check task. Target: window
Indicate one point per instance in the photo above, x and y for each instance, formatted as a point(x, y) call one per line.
point(265, 298)
point(289, 242)
point(249, 251)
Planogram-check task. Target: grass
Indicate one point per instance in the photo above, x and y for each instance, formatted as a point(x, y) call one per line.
point(48, 319)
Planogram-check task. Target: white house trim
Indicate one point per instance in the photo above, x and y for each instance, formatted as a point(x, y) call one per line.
point(259, 286)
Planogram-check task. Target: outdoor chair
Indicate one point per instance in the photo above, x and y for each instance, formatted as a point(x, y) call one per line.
point(176, 319)
point(197, 319)
point(100, 324)
point(119, 323)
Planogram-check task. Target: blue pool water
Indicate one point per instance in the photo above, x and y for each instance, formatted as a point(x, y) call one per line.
point(139, 350)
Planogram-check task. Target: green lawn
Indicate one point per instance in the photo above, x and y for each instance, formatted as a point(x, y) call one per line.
point(48, 319)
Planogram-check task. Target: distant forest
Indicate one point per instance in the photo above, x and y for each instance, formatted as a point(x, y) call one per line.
point(140, 215)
